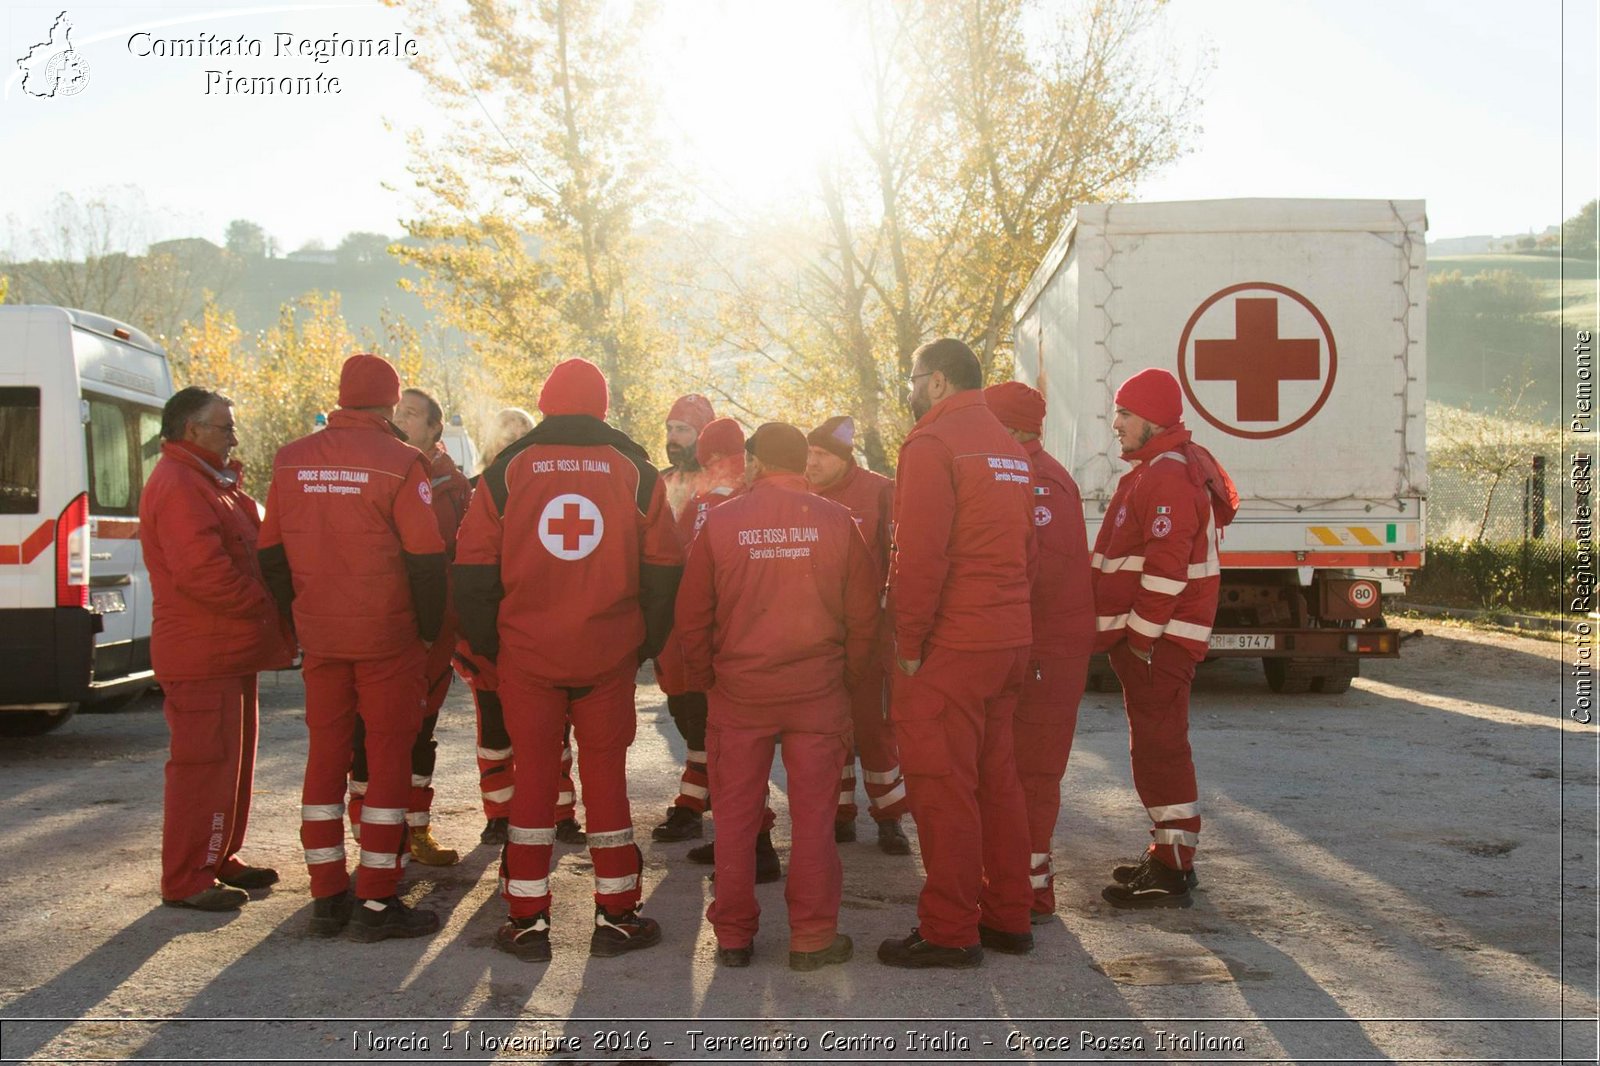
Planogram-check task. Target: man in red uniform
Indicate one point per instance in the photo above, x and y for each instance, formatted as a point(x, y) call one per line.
point(721, 455)
point(495, 757)
point(777, 617)
point(214, 627)
point(420, 420)
point(833, 474)
point(351, 547)
point(1156, 579)
point(959, 583)
point(1063, 633)
point(689, 415)
point(564, 579)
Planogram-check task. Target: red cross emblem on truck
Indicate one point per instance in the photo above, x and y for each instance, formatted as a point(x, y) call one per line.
point(1257, 360)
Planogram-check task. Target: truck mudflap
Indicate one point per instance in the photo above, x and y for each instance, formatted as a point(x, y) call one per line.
point(1373, 642)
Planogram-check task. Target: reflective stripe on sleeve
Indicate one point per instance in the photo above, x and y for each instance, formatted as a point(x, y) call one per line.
point(1188, 630)
point(1144, 628)
point(1133, 563)
point(1164, 585)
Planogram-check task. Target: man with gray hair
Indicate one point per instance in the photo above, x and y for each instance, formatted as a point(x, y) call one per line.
point(215, 625)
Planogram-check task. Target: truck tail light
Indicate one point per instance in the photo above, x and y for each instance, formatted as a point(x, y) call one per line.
point(72, 553)
point(1375, 644)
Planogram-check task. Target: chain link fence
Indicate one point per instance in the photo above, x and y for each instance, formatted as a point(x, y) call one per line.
point(1496, 538)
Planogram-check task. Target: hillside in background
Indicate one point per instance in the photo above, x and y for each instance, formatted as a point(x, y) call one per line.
point(1494, 324)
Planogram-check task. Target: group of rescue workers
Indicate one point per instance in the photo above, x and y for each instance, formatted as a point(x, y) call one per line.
point(938, 626)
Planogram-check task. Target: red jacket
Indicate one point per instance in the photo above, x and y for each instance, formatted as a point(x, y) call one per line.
point(1155, 565)
point(779, 599)
point(870, 498)
point(964, 548)
point(351, 540)
point(671, 673)
point(568, 561)
point(1063, 595)
point(213, 615)
point(452, 493)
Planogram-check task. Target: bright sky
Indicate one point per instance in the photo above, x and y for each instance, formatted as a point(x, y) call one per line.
point(1460, 103)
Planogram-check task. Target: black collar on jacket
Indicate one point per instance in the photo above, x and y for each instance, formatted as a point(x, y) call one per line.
point(583, 431)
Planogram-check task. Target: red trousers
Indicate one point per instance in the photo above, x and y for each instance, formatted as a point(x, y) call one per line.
point(1157, 698)
point(603, 721)
point(739, 747)
point(210, 771)
point(496, 765)
point(1047, 715)
point(424, 750)
point(880, 758)
point(953, 720)
point(389, 696)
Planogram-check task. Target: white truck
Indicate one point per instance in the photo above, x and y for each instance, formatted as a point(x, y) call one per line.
point(1297, 330)
point(80, 422)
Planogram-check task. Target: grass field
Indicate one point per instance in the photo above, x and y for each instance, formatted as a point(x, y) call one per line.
point(1578, 287)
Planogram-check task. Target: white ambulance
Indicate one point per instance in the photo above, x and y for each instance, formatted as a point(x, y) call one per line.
point(80, 422)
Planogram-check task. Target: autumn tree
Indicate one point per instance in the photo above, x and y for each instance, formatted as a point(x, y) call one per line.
point(526, 231)
point(981, 124)
point(280, 380)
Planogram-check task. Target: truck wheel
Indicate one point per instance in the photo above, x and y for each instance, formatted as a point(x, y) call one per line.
point(1334, 682)
point(1286, 676)
point(33, 723)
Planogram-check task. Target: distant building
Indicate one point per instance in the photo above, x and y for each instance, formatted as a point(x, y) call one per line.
point(306, 255)
point(186, 249)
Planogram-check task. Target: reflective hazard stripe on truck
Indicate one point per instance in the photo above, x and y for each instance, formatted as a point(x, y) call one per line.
point(1363, 536)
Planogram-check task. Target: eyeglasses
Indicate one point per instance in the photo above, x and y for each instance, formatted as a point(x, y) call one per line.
point(911, 382)
point(227, 428)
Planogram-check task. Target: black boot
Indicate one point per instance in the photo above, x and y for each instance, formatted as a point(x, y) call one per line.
point(526, 938)
point(496, 832)
point(915, 953)
point(681, 824)
point(387, 919)
point(768, 868)
point(617, 934)
point(1153, 885)
point(1124, 872)
point(330, 914)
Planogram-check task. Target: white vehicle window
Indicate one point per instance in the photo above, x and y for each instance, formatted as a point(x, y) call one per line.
point(19, 450)
point(110, 472)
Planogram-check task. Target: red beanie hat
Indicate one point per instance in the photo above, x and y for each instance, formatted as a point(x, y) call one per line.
point(722, 436)
point(368, 381)
point(837, 435)
point(780, 446)
point(575, 387)
point(1016, 406)
point(692, 408)
point(1154, 396)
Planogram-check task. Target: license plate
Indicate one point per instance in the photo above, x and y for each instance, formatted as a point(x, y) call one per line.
point(107, 601)
point(1243, 642)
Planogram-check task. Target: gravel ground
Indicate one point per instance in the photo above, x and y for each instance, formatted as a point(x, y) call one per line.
point(1404, 872)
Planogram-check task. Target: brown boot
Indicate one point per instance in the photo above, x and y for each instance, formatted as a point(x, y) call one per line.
point(427, 850)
